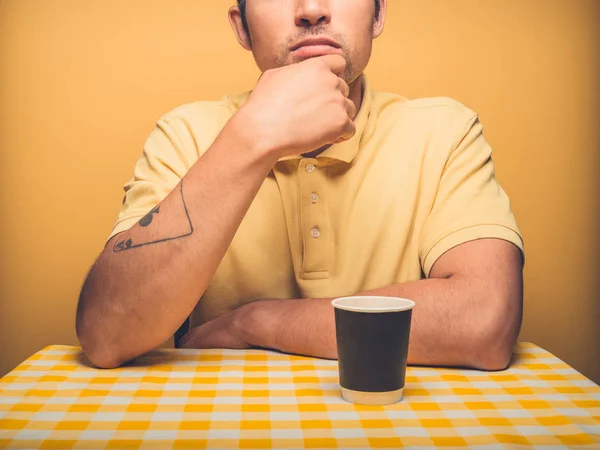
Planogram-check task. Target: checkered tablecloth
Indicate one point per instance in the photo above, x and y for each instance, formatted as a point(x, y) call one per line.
point(262, 399)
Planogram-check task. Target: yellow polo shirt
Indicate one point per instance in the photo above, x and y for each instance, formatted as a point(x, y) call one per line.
point(416, 180)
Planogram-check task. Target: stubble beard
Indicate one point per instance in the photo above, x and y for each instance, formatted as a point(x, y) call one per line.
point(284, 57)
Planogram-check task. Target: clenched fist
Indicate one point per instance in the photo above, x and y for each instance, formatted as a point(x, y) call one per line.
point(301, 107)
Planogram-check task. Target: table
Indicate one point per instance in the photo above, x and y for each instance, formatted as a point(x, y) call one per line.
point(263, 399)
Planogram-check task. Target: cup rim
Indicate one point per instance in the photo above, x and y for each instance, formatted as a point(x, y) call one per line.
point(405, 306)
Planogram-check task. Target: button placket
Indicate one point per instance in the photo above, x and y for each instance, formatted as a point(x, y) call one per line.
point(314, 221)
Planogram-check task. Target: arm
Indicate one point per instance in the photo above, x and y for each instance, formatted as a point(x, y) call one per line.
point(141, 288)
point(468, 313)
point(148, 279)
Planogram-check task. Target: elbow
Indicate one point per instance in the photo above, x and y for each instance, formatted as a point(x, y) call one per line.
point(495, 359)
point(92, 330)
point(98, 351)
point(94, 340)
point(101, 362)
point(497, 337)
point(102, 358)
point(491, 351)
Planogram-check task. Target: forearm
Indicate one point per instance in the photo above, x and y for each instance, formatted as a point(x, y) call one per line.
point(451, 325)
point(149, 278)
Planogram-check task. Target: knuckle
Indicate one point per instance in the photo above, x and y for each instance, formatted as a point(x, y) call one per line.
point(341, 121)
point(329, 81)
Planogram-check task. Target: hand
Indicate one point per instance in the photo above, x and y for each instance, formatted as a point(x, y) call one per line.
point(301, 107)
point(222, 332)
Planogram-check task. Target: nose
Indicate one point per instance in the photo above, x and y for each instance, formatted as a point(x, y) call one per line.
point(310, 13)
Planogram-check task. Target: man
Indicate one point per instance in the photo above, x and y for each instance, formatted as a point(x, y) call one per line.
point(250, 214)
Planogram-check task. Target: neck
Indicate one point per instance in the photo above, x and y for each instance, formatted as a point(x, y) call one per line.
point(356, 95)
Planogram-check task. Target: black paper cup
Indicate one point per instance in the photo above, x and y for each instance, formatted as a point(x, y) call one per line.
point(372, 341)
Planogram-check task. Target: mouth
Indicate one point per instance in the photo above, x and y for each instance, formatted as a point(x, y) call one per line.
point(312, 47)
point(317, 41)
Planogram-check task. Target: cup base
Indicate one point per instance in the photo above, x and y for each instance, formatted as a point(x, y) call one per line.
point(372, 398)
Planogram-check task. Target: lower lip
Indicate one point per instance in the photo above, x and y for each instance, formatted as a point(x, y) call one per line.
point(308, 51)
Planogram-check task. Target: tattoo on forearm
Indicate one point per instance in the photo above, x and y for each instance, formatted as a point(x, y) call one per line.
point(146, 221)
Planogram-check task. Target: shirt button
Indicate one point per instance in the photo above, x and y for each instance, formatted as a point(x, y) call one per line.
point(315, 233)
point(314, 198)
point(310, 168)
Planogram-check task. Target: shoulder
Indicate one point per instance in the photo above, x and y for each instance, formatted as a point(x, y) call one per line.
point(208, 110)
point(196, 125)
point(388, 102)
point(438, 115)
point(199, 115)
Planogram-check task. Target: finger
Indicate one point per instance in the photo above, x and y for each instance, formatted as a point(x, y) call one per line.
point(343, 86)
point(348, 133)
point(336, 63)
point(350, 108)
point(350, 130)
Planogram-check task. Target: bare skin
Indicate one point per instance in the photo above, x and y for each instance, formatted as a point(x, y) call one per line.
point(141, 289)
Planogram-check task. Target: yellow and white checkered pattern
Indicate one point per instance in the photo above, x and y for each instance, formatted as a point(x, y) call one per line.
point(261, 399)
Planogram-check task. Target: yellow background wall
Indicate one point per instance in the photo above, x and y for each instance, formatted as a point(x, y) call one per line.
point(81, 84)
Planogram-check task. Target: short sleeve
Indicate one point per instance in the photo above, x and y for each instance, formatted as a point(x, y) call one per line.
point(469, 203)
point(162, 165)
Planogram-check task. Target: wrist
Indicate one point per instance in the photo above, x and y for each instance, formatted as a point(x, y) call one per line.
point(254, 325)
point(242, 326)
point(254, 135)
